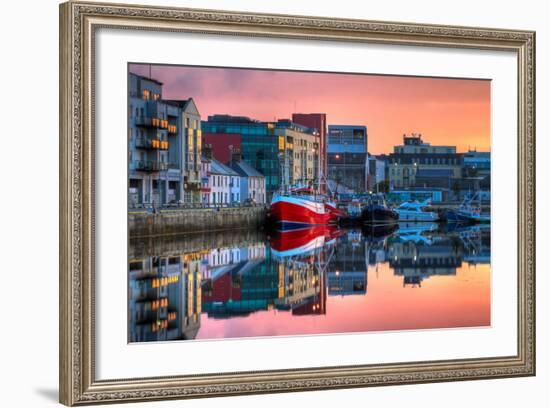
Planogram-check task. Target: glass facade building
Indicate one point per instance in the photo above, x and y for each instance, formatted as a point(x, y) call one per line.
point(259, 145)
point(347, 157)
point(347, 139)
point(270, 147)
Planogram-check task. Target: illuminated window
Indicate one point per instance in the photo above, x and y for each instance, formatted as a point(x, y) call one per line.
point(146, 94)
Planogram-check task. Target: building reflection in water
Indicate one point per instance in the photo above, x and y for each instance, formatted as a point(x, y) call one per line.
point(347, 271)
point(165, 298)
point(172, 287)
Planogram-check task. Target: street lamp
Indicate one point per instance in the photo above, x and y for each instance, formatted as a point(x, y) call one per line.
point(337, 156)
point(283, 167)
point(344, 153)
point(314, 151)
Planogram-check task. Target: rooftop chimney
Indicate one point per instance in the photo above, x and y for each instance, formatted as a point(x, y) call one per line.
point(235, 154)
point(207, 151)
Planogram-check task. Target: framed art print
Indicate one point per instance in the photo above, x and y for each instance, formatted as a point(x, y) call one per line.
point(255, 203)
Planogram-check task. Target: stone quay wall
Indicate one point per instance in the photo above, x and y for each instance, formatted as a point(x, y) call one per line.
point(188, 221)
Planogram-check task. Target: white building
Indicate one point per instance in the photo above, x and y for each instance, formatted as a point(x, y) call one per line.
point(205, 180)
point(225, 184)
point(252, 181)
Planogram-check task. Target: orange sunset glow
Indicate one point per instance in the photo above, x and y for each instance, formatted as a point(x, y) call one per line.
point(446, 111)
point(461, 300)
point(287, 225)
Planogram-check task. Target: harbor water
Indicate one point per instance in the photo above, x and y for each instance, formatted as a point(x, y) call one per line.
point(250, 283)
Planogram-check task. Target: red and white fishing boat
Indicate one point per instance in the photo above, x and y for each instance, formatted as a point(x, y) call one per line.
point(303, 208)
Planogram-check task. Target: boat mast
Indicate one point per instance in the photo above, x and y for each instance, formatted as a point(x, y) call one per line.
point(319, 164)
point(282, 169)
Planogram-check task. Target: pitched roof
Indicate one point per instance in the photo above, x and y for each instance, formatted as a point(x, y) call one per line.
point(244, 169)
point(220, 168)
point(186, 105)
point(146, 78)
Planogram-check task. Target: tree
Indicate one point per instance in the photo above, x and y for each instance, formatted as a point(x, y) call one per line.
point(383, 186)
point(337, 180)
point(456, 188)
point(471, 171)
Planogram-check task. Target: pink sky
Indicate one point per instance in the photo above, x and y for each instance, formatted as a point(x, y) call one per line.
point(446, 111)
point(461, 300)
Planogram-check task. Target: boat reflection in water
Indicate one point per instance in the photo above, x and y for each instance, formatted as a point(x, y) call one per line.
point(316, 280)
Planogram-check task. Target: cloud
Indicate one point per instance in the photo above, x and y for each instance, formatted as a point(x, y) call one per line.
point(444, 110)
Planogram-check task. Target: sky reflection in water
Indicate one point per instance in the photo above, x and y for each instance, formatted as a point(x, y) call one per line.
point(320, 280)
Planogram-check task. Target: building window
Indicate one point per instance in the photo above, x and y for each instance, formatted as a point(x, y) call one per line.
point(146, 94)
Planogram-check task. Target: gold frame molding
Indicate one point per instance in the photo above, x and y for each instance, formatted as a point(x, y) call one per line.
point(78, 22)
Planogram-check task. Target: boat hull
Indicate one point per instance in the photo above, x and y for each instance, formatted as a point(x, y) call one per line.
point(333, 210)
point(378, 215)
point(460, 216)
point(417, 216)
point(455, 216)
point(294, 212)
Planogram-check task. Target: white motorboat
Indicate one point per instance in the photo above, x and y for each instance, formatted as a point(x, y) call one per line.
point(414, 211)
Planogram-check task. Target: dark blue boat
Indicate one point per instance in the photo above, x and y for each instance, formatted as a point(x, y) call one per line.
point(376, 212)
point(469, 211)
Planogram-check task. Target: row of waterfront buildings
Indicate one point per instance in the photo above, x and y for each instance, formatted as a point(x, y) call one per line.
point(176, 157)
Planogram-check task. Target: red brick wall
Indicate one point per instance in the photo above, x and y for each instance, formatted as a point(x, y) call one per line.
point(220, 144)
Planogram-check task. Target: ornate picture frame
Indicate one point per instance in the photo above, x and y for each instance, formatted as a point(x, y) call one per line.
point(78, 24)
